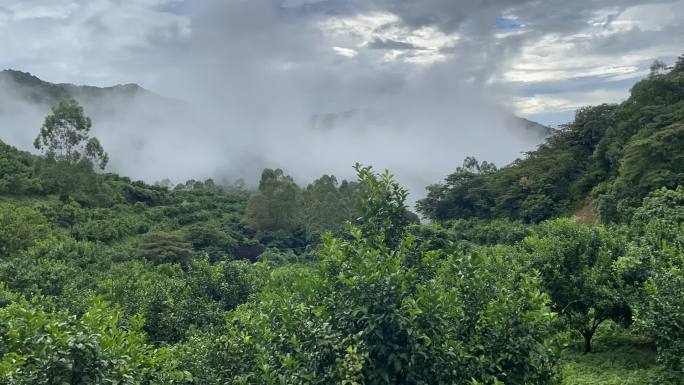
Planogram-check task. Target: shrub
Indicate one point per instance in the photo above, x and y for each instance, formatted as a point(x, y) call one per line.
point(40, 347)
point(365, 315)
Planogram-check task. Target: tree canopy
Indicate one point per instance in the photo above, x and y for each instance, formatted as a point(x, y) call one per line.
point(65, 136)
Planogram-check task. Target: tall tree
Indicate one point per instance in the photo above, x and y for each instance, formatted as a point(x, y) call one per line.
point(65, 136)
point(327, 205)
point(276, 207)
point(71, 154)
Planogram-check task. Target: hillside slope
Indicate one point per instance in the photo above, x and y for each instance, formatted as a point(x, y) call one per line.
point(616, 153)
point(33, 89)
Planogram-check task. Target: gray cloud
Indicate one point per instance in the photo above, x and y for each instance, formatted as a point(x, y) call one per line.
point(378, 43)
point(437, 78)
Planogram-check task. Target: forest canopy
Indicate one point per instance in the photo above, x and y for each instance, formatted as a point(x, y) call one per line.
point(611, 155)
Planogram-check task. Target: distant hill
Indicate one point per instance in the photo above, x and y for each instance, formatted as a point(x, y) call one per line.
point(128, 119)
point(99, 101)
point(17, 87)
point(363, 117)
point(33, 89)
point(534, 128)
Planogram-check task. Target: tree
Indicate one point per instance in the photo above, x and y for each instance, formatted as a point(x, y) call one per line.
point(658, 68)
point(658, 265)
point(163, 247)
point(576, 264)
point(382, 205)
point(18, 171)
point(327, 206)
point(70, 154)
point(20, 228)
point(42, 347)
point(679, 65)
point(464, 193)
point(65, 136)
point(211, 239)
point(276, 207)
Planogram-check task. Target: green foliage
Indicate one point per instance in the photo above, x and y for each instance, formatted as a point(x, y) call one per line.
point(163, 247)
point(351, 289)
point(285, 216)
point(382, 206)
point(211, 239)
point(39, 347)
point(20, 228)
point(74, 181)
point(275, 208)
point(661, 315)
point(659, 305)
point(104, 226)
point(327, 206)
point(576, 265)
point(618, 359)
point(365, 315)
point(618, 153)
point(65, 136)
point(18, 172)
point(496, 231)
point(70, 153)
point(462, 195)
point(61, 270)
point(650, 160)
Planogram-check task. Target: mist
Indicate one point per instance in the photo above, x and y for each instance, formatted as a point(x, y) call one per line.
point(407, 88)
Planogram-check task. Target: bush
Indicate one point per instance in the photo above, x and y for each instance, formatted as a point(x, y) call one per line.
point(658, 227)
point(18, 172)
point(377, 310)
point(20, 228)
point(209, 237)
point(39, 347)
point(497, 231)
point(163, 247)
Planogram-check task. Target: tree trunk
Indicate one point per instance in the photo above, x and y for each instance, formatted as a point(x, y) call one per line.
point(587, 341)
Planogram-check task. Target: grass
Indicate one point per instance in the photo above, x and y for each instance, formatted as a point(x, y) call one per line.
point(618, 359)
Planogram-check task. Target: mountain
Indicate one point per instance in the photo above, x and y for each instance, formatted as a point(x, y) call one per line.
point(128, 119)
point(359, 118)
point(533, 128)
point(32, 89)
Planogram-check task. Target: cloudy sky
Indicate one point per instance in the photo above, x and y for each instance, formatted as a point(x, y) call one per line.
point(435, 80)
point(549, 56)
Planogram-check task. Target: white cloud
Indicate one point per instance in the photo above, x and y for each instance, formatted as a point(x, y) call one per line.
point(417, 45)
point(651, 17)
point(566, 101)
point(362, 27)
point(37, 10)
point(346, 52)
point(88, 41)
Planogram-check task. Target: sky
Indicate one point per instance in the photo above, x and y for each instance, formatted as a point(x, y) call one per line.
point(257, 68)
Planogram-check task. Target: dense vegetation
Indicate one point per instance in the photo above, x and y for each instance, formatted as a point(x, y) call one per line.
point(611, 155)
point(104, 280)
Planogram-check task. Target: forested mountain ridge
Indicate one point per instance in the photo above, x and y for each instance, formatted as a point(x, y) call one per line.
point(33, 89)
point(616, 154)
